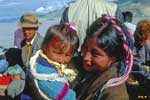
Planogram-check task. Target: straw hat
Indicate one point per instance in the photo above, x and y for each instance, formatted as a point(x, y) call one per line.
point(29, 20)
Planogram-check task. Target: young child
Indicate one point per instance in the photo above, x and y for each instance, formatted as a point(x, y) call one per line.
point(49, 65)
point(17, 84)
point(107, 60)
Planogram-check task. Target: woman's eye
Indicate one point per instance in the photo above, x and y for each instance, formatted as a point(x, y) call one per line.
point(95, 53)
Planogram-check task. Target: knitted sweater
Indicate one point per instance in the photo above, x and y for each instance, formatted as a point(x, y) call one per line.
point(56, 87)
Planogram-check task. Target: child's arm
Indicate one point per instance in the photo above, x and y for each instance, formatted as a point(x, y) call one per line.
point(57, 90)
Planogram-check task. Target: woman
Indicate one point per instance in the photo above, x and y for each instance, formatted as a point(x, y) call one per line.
point(107, 60)
point(49, 65)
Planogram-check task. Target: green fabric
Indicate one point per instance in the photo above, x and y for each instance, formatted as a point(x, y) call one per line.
point(85, 12)
point(15, 88)
point(115, 93)
point(16, 69)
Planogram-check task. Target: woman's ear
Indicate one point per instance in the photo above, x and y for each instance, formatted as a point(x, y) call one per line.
point(113, 59)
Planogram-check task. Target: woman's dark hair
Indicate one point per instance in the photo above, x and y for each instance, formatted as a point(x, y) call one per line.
point(13, 56)
point(63, 31)
point(114, 38)
point(107, 37)
point(111, 36)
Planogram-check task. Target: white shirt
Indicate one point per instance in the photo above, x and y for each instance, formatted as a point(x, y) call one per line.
point(31, 42)
point(130, 26)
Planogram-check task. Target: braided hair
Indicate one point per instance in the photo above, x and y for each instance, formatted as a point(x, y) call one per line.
point(112, 36)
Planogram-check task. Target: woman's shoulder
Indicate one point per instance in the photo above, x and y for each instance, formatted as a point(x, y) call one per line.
point(115, 93)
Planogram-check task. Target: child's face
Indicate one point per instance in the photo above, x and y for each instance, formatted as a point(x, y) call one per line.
point(59, 52)
point(15, 77)
point(94, 58)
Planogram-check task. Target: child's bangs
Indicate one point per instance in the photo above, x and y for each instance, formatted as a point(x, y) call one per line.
point(63, 45)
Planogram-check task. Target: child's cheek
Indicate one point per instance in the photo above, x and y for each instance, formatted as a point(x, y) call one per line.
point(15, 77)
point(100, 63)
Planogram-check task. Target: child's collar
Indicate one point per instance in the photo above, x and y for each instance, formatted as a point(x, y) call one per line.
point(59, 67)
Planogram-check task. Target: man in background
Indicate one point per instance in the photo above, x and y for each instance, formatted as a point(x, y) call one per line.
point(31, 43)
point(127, 17)
point(32, 39)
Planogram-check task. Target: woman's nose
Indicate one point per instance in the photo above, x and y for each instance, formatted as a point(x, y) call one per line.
point(87, 57)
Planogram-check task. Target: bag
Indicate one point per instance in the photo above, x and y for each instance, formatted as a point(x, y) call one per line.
point(4, 82)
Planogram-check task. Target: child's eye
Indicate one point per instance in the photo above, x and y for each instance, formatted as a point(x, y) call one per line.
point(95, 55)
point(68, 54)
point(58, 52)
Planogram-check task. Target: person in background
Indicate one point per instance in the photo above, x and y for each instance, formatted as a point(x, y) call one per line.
point(84, 12)
point(127, 18)
point(19, 37)
point(49, 67)
point(32, 42)
point(16, 87)
point(107, 61)
point(11, 58)
point(32, 39)
point(139, 80)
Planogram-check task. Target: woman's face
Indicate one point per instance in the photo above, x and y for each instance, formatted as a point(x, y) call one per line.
point(59, 52)
point(94, 58)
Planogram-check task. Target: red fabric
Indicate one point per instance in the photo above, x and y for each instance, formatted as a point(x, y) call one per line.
point(5, 80)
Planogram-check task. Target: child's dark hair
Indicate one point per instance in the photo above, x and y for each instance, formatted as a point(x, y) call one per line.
point(13, 56)
point(67, 34)
point(114, 38)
